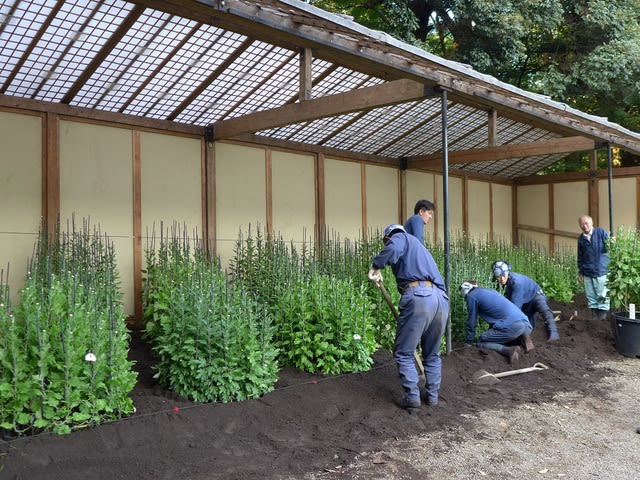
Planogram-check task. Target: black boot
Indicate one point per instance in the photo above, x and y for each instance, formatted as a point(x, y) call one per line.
point(602, 314)
point(594, 313)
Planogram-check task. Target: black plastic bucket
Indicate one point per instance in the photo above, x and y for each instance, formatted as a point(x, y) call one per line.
point(627, 331)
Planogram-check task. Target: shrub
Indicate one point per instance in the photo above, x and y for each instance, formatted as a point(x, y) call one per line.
point(212, 339)
point(623, 277)
point(318, 297)
point(64, 352)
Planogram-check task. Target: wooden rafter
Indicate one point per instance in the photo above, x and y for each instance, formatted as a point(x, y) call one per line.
point(505, 152)
point(389, 93)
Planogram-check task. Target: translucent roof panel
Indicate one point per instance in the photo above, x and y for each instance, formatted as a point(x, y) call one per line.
point(248, 84)
point(132, 62)
point(340, 80)
point(186, 69)
point(427, 139)
point(197, 63)
point(18, 28)
point(64, 50)
point(372, 130)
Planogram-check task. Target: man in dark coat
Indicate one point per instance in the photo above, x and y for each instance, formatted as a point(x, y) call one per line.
point(593, 262)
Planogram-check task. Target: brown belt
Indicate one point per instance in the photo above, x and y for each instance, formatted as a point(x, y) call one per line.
point(426, 283)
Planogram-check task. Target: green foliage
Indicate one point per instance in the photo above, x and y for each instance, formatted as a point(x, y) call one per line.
point(623, 277)
point(391, 16)
point(324, 325)
point(303, 300)
point(64, 352)
point(212, 340)
point(318, 296)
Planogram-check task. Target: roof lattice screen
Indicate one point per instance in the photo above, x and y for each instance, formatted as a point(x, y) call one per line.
point(181, 61)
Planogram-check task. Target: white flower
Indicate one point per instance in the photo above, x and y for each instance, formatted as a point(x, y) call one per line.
point(357, 337)
point(90, 357)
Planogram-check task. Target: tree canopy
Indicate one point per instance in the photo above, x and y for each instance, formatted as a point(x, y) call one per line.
point(585, 53)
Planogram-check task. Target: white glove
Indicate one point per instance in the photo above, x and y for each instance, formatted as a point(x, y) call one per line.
point(375, 275)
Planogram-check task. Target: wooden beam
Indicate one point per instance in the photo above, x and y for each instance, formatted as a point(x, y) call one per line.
point(637, 204)
point(491, 220)
point(551, 217)
point(504, 152)
point(306, 77)
point(320, 224)
point(210, 195)
point(492, 124)
point(594, 188)
point(388, 93)
point(138, 313)
point(84, 114)
point(363, 202)
point(548, 231)
point(402, 195)
point(268, 187)
point(51, 172)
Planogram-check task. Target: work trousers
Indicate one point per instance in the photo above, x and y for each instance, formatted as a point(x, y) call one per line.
point(496, 338)
point(538, 305)
point(424, 311)
point(595, 288)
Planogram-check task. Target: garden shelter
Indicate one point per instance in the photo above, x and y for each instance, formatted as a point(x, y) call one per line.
point(218, 114)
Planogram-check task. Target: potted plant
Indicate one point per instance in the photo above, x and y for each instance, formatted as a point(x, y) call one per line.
point(623, 280)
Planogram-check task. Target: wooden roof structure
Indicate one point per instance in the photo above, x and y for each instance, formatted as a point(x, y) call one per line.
point(286, 74)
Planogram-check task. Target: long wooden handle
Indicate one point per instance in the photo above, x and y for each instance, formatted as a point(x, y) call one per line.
point(387, 298)
point(536, 366)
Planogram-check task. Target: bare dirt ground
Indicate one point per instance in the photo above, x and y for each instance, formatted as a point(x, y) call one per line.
point(576, 420)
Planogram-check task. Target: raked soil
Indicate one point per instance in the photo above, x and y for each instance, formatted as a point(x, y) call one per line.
point(575, 420)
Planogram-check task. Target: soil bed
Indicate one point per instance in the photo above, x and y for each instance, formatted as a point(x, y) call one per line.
point(349, 426)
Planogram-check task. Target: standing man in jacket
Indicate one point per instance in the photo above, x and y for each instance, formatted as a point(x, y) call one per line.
point(424, 310)
point(593, 262)
point(422, 214)
point(527, 295)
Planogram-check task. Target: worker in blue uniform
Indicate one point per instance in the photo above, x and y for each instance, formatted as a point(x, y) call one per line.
point(422, 215)
point(424, 310)
point(527, 295)
point(507, 323)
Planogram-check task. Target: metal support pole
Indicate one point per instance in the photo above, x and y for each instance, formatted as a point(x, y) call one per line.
point(445, 199)
point(610, 184)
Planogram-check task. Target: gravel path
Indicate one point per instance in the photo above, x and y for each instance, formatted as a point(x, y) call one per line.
point(571, 437)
